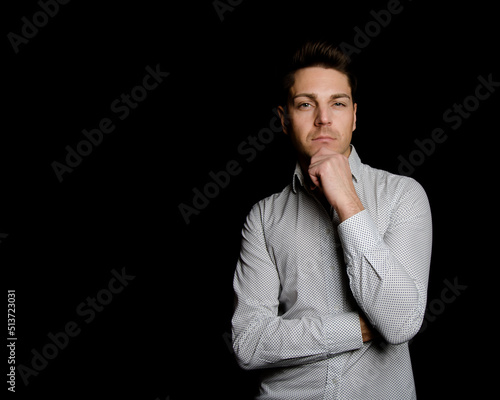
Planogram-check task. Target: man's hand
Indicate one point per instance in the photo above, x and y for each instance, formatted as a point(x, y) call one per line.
point(367, 330)
point(330, 172)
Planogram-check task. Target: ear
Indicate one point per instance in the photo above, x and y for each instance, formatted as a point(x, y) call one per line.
point(354, 121)
point(284, 118)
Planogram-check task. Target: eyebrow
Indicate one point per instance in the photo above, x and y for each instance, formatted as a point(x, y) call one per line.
point(314, 96)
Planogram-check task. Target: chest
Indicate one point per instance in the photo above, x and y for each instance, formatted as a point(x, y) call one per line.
point(302, 240)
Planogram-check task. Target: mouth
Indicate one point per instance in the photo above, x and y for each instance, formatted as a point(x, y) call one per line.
point(323, 139)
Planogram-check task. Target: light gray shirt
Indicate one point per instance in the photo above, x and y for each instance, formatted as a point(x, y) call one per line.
point(302, 279)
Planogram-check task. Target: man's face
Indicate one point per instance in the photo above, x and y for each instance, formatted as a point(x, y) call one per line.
point(320, 112)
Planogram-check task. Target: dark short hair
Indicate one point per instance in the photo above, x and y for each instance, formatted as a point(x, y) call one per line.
point(317, 54)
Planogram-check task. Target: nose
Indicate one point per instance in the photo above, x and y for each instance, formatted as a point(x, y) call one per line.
point(323, 117)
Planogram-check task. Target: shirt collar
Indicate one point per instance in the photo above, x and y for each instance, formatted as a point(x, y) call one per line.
point(354, 164)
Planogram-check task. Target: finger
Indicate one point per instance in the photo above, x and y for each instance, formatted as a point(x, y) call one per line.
point(315, 180)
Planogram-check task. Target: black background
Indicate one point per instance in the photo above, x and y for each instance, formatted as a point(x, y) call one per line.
point(164, 334)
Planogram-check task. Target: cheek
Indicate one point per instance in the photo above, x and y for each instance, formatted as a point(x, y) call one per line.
point(300, 126)
point(298, 134)
point(347, 123)
point(298, 119)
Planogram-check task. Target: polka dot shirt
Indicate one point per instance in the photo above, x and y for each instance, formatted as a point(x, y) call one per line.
point(303, 279)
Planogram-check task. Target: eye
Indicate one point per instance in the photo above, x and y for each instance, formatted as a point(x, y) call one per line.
point(339, 104)
point(304, 105)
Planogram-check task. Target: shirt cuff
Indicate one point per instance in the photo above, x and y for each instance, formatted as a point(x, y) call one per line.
point(342, 332)
point(358, 235)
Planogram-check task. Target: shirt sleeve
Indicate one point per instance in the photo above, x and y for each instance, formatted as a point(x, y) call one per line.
point(262, 338)
point(388, 273)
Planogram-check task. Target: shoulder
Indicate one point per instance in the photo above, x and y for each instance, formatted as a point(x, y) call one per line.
point(391, 183)
point(402, 194)
point(380, 184)
point(270, 208)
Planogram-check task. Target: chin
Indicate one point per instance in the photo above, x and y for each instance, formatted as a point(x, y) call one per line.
point(313, 149)
point(331, 145)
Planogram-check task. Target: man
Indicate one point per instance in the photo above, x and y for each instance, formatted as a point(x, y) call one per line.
point(331, 282)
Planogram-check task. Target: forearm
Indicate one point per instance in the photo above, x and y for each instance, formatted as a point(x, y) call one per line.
point(392, 294)
point(271, 341)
